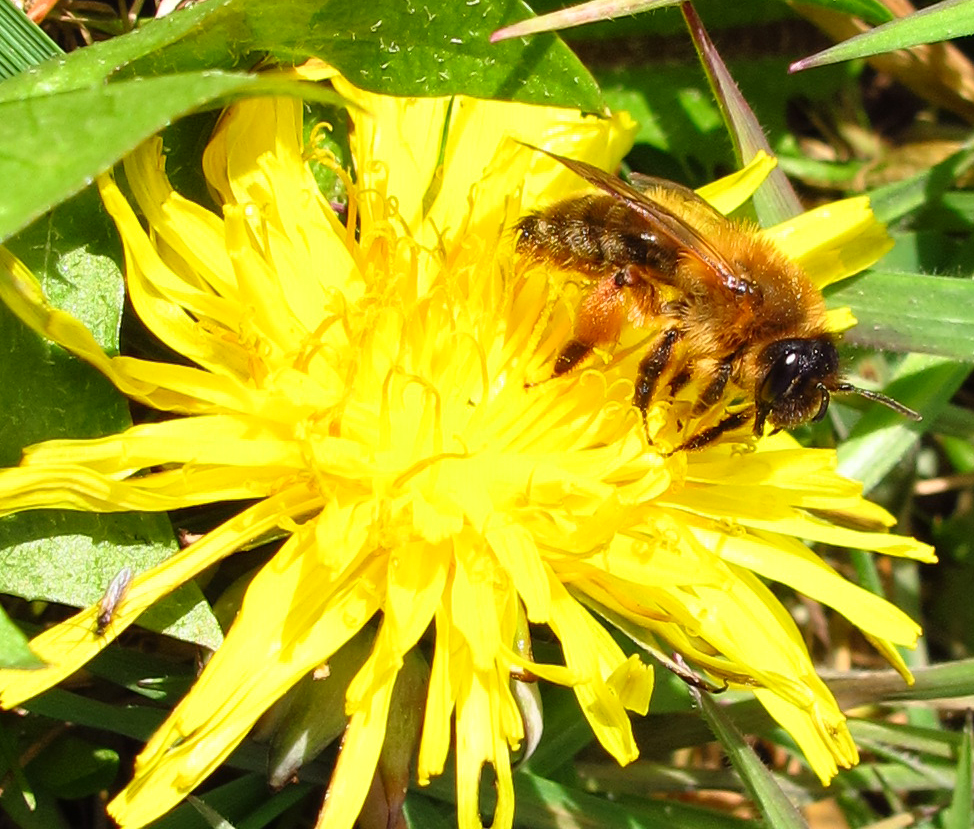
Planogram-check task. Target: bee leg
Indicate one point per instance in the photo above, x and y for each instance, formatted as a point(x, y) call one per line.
point(652, 367)
point(601, 316)
point(715, 389)
point(570, 356)
point(729, 423)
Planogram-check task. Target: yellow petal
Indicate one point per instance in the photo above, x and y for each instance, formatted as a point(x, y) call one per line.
point(286, 638)
point(833, 241)
point(730, 192)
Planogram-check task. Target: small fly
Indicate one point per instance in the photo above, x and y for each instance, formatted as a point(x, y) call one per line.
point(116, 591)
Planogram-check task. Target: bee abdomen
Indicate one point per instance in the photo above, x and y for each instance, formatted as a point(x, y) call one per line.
point(592, 233)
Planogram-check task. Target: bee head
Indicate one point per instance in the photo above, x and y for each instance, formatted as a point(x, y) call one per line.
point(795, 378)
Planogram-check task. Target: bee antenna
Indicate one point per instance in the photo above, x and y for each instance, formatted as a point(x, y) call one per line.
point(889, 402)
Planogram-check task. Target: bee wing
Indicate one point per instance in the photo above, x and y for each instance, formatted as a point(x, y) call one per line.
point(662, 220)
point(705, 217)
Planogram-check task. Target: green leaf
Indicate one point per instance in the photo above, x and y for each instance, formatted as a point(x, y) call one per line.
point(930, 742)
point(550, 804)
point(961, 813)
point(392, 47)
point(70, 557)
point(942, 21)
point(22, 43)
point(777, 810)
point(872, 11)
point(86, 130)
point(97, 104)
point(547, 804)
point(422, 813)
point(212, 817)
point(909, 312)
point(235, 799)
point(881, 437)
point(14, 650)
point(926, 188)
point(681, 133)
point(71, 767)
point(578, 15)
point(775, 200)
point(950, 679)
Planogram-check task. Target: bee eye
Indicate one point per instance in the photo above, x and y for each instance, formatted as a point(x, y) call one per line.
point(787, 370)
point(795, 371)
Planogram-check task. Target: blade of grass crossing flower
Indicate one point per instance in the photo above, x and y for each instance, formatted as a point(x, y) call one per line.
point(943, 21)
point(880, 439)
point(22, 43)
point(775, 200)
point(778, 811)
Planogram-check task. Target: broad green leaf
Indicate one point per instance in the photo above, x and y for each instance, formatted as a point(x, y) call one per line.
point(70, 557)
point(942, 21)
point(778, 811)
point(87, 130)
point(98, 103)
point(383, 46)
point(909, 312)
point(391, 47)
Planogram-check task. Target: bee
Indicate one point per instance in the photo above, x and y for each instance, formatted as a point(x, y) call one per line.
point(109, 603)
point(730, 307)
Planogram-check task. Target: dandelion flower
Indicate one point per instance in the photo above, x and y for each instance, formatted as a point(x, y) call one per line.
point(371, 387)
